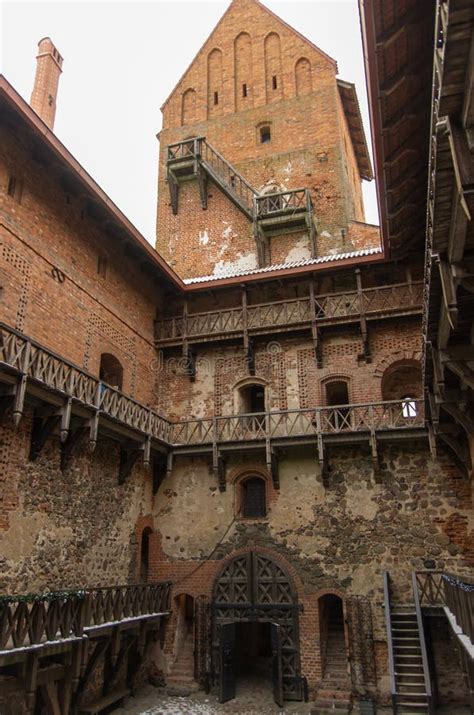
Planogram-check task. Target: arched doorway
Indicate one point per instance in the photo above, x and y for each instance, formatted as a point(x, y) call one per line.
point(255, 617)
point(332, 638)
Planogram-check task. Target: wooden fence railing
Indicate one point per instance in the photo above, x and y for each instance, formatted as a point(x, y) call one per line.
point(27, 359)
point(40, 618)
point(297, 311)
point(459, 598)
point(370, 417)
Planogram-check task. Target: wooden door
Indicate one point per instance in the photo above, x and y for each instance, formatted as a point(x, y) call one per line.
point(227, 633)
point(277, 663)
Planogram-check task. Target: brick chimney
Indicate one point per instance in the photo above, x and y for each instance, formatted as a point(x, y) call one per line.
point(48, 68)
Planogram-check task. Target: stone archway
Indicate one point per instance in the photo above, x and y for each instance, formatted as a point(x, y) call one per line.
point(253, 588)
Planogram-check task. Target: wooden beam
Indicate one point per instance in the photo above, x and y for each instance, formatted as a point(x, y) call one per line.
point(465, 374)
point(460, 417)
point(363, 321)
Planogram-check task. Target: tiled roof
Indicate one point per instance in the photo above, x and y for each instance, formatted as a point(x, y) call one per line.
point(283, 266)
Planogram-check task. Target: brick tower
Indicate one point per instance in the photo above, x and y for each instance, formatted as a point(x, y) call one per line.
point(276, 120)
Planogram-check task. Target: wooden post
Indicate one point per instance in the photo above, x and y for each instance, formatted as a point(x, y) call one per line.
point(315, 332)
point(363, 320)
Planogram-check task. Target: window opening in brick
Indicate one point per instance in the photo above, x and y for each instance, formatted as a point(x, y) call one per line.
point(102, 266)
point(244, 89)
point(274, 82)
point(145, 555)
point(265, 135)
point(15, 188)
point(409, 407)
point(253, 498)
point(216, 97)
point(111, 371)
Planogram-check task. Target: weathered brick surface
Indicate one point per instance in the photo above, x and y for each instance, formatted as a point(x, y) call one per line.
point(310, 144)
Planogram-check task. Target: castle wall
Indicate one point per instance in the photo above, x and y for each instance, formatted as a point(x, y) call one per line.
point(52, 289)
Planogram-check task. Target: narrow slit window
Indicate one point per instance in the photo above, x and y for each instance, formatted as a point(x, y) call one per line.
point(216, 97)
point(244, 90)
point(102, 266)
point(265, 135)
point(274, 82)
point(15, 188)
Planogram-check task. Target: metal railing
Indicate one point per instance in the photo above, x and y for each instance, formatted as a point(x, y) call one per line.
point(331, 306)
point(37, 619)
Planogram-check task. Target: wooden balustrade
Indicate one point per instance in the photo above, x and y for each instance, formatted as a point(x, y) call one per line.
point(459, 598)
point(287, 424)
point(282, 202)
point(297, 312)
point(430, 588)
point(41, 366)
point(36, 619)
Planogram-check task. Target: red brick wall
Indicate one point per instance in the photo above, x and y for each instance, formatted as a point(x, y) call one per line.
point(51, 289)
point(310, 144)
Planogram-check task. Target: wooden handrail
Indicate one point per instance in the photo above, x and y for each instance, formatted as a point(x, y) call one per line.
point(37, 619)
point(388, 625)
point(421, 633)
point(350, 295)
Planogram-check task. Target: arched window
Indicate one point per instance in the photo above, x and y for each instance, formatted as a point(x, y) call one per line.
point(253, 498)
point(251, 399)
point(145, 555)
point(111, 371)
point(337, 393)
point(401, 381)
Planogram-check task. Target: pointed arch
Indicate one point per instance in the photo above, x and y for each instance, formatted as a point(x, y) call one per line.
point(188, 107)
point(214, 82)
point(243, 71)
point(303, 79)
point(273, 70)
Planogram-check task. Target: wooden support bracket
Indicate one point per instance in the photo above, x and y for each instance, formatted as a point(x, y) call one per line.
point(43, 428)
point(363, 321)
point(202, 183)
point(174, 191)
point(272, 464)
point(128, 457)
point(71, 446)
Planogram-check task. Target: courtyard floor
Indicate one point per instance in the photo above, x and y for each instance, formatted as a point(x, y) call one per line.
point(251, 700)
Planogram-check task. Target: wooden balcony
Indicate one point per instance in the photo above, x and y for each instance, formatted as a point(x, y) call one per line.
point(271, 214)
point(74, 403)
point(42, 621)
point(58, 640)
point(290, 315)
point(320, 427)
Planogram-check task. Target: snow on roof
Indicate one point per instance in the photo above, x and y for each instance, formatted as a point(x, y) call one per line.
point(232, 273)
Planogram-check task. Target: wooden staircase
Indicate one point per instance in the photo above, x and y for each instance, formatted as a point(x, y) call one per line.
point(408, 661)
point(270, 214)
point(181, 680)
point(411, 696)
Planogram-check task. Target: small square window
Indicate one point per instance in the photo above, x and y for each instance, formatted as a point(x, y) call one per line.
point(244, 90)
point(265, 135)
point(274, 82)
point(216, 97)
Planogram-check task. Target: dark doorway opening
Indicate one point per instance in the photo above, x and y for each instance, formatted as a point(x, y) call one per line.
point(332, 638)
point(253, 658)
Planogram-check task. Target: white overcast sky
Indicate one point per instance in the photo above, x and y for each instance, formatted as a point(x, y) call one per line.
point(122, 59)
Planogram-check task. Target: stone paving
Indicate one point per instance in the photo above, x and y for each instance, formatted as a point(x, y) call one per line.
point(250, 701)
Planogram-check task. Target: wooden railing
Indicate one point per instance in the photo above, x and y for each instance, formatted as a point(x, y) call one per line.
point(421, 634)
point(216, 164)
point(459, 598)
point(38, 619)
point(29, 359)
point(388, 626)
point(429, 586)
point(343, 419)
point(282, 202)
point(288, 313)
